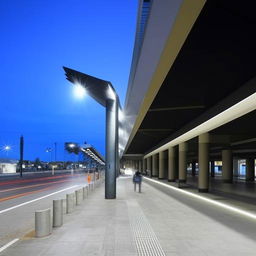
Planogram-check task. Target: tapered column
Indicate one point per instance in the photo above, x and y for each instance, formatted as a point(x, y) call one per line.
point(144, 165)
point(203, 163)
point(162, 165)
point(171, 164)
point(136, 165)
point(227, 166)
point(155, 165)
point(183, 162)
point(212, 169)
point(250, 169)
point(111, 123)
point(149, 166)
point(140, 166)
point(193, 169)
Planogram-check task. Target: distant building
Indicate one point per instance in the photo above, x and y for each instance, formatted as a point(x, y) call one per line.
point(8, 165)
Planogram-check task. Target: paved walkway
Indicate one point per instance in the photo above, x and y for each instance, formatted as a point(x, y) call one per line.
point(158, 221)
point(239, 189)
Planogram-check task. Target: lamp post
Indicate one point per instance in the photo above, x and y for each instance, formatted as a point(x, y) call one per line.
point(21, 154)
point(103, 92)
point(49, 150)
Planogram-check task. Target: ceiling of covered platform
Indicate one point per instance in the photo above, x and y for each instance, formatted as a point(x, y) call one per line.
point(217, 59)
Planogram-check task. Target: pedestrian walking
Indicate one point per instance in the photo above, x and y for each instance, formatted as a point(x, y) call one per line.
point(137, 179)
point(89, 178)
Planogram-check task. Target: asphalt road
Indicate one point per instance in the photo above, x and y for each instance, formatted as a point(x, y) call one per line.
point(21, 197)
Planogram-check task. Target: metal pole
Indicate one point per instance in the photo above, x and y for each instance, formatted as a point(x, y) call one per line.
point(21, 154)
point(110, 181)
point(117, 144)
point(55, 149)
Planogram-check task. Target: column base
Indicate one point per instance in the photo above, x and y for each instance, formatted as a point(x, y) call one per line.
point(182, 181)
point(227, 181)
point(203, 190)
point(161, 178)
point(250, 179)
point(171, 180)
point(110, 197)
point(154, 176)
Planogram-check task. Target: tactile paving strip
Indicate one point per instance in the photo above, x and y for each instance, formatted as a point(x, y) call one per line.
point(145, 239)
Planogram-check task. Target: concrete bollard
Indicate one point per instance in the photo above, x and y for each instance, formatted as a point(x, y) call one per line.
point(85, 192)
point(70, 203)
point(57, 213)
point(79, 196)
point(43, 225)
point(64, 203)
point(74, 199)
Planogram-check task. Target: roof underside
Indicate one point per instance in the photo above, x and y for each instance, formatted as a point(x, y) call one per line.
point(217, 59)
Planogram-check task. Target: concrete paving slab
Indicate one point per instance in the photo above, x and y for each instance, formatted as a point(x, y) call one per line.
point(154, 222)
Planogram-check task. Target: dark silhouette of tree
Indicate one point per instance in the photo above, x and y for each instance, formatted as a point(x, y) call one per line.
point(37, 163)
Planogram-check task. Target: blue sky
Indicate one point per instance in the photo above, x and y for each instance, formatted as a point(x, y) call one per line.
point(38, 37)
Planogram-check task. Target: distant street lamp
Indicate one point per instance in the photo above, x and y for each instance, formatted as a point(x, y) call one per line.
point(6, 149)
point(49, 150)
point(21, 154)
point(103, 92)
point(71, 145)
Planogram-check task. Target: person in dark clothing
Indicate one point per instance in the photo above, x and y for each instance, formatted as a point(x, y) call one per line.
point(137, 179)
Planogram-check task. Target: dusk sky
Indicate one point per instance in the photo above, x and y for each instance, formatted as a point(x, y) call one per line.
point(38, 37)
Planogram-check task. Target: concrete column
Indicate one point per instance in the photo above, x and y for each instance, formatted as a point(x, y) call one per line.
point(140, 166)
point(155, 165)
point(193, 170)
point(171, 165)
point(144, 165)
point(212, 169)
point(250, 169)
point(183, 162)
point(161, 165)
point(203, 150)
point(149, 166)
point(110, 173)
point(227, 166)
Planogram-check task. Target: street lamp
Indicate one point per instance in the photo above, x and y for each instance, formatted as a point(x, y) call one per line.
point(103, 92)
point(71, 145)
point(6, 149)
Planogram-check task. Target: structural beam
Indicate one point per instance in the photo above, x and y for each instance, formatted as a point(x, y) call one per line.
point(176, 108)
